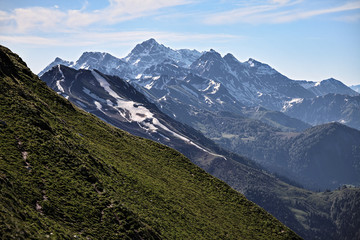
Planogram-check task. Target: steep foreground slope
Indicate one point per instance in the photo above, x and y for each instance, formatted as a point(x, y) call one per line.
point(65, 173)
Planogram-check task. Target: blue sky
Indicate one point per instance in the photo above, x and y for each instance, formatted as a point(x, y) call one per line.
point(303, 39)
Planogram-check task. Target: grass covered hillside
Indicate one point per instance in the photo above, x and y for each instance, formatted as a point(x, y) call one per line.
point(66, 174)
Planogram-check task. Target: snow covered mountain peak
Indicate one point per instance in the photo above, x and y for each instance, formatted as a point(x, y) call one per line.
point(150, 46)
point(56, 62)
point(88, 60)
point(328, 86)
point(211, 54)
point(86, 55)
point(151, 41)
point(209, 63)
point(159, 70)
point(150, 52)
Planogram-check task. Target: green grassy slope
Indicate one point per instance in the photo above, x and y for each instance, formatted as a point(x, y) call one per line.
point(65, 173)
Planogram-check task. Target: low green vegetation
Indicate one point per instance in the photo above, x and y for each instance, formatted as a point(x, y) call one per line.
point(65, 174)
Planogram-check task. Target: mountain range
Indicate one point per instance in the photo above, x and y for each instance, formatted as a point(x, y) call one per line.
point(65, 174)
point(170, 78)
point(284, 201)
point(200, 92)
point(118, 103)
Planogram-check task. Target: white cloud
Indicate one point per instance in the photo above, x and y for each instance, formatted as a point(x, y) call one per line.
point(37, 41)
point(307, 14)
point(24, 20)
point(37, 17)
point(275, 11)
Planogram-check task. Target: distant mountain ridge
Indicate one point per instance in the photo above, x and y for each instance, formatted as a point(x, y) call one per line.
point(204, 80)
point(328, 108)
point(328, 86)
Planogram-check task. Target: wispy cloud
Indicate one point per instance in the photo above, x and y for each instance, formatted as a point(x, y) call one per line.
point(112, 38)
point(24, 20)
point(275, 11)
point(296, 15)
point(36, 41)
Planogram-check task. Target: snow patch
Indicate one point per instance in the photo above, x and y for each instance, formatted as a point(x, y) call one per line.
point(98, 105)
point(103, 83)
point(342, 121)
point(289, 104)
point(58, 85)
point(109, 103)
point(208, 100)
point(136, 62)
point(163, 98)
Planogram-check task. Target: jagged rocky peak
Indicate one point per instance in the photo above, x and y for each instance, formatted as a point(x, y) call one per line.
point(332, 81)
point(150, 52)
point(254, 63)
point(229, 58)
point(208, 58)
point(56, 62)
point(259, 67)
point(331, 85)
point(147, 47)
point(102, 61)
point(233, 62)
point(57, 59)
point(95, 55)
point(212, 53)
